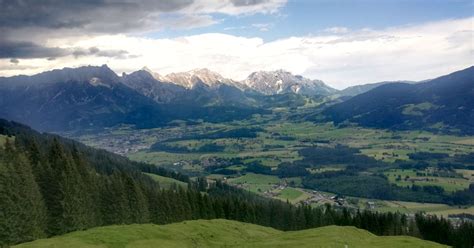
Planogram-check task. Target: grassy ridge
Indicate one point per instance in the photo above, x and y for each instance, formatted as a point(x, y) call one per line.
point(223, 233)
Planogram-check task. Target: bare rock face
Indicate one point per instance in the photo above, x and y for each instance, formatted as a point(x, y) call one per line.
point(152, 85)
point(264, 82)
point(280, 81)
point(203, 76)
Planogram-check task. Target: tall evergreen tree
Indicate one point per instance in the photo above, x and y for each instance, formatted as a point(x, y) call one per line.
point(22, 211)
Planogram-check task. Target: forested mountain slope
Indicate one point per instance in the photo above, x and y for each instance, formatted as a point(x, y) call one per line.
point(445, 103)
point(359, 89)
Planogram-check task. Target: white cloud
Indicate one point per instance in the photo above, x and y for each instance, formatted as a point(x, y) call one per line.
point(235, 7)
point(337, 30)
point(263, 27)
point(341, 59)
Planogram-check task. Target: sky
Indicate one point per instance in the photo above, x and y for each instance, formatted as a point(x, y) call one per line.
point(341, 42)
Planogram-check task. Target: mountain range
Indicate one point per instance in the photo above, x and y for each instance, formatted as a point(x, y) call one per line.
point(446, 102)
point(93, 97)
point(202, 87)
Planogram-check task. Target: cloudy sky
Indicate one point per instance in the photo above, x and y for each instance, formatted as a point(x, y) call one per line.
point(342, 42)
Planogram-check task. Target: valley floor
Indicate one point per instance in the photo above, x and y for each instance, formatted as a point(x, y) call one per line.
point(279, 141)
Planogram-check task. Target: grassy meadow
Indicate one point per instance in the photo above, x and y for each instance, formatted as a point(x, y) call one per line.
point(223, 233)
point(167, 182)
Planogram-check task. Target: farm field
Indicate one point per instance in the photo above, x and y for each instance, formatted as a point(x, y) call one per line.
point(293, 195)
point(429, 208)
point(165, 158)
point(255, 182)
point(468, 174)
point(272, 186)
point(417, 177)
point(223, 233)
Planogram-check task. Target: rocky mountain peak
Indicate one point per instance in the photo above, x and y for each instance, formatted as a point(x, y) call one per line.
point(281, 81)
point(190, 79)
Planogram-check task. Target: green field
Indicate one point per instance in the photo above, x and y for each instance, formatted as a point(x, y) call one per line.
point(290, 194)
point(255, 182)
point(430, 208)
point(223, 233)
point(449, 184)
point(453, 210)
point(167, 182)
point(272, 186)
point(409, 207)
point(468, 174)
point(252, 178)
point(293, 195)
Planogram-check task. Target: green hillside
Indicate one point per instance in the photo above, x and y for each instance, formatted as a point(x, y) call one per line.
point(166, 182)
point(223, 233)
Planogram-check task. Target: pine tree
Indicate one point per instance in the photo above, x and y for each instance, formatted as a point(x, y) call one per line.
point(87, 191)
point(137, 204)
point(114, 204)
point(22, 215)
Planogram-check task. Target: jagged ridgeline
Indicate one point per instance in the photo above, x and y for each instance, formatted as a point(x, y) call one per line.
point(50, 186)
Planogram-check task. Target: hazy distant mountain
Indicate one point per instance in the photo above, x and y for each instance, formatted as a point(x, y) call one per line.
point(280, 82)
point(446, 102)
point(359, 89)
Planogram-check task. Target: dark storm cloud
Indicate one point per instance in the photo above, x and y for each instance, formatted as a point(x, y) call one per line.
point(239, 3)
point(22, 21)
point(94, 51)
point(28, 50)
point(90, 15)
